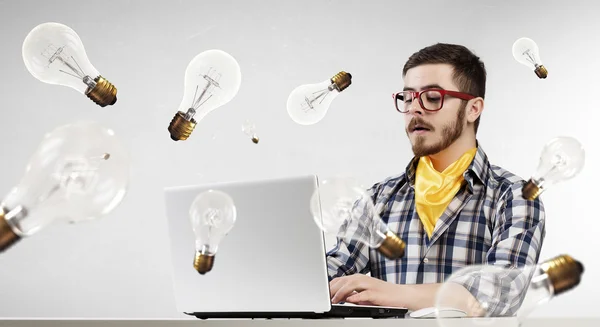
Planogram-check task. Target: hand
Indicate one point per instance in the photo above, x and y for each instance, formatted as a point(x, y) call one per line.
point(364, 290)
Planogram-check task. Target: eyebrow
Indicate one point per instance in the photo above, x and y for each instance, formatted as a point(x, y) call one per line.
point(430, 86)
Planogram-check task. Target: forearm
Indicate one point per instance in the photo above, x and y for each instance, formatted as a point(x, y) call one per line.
point(419, 296)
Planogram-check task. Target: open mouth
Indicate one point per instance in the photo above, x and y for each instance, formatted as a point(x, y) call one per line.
point(418, 128)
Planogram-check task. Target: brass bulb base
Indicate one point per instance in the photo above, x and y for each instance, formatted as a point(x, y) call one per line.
point(104, 93)
point(392, 247)
point(255, 140)
point(181, 128)
point(531, 190)
point(564, 272)
point(342, 80)
point(7, 236)
point(541, 71)
point(203, 263)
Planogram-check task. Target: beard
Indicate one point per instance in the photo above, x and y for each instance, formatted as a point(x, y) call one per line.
point(450, 133)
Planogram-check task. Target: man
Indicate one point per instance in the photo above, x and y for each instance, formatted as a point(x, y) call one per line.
point(450, 205)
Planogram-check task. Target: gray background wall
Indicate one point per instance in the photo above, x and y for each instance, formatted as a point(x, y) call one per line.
point(119, 266)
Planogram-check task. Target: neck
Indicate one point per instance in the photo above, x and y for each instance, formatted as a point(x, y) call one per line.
point(446, 157)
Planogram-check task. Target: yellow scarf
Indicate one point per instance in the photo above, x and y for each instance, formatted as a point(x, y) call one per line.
point(435, 190)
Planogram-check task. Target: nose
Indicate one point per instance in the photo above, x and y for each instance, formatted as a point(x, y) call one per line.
point(415, 108)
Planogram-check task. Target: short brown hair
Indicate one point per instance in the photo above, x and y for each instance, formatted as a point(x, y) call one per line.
point(469, 70)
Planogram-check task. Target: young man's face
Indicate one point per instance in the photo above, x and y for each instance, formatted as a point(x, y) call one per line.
point(430, 132)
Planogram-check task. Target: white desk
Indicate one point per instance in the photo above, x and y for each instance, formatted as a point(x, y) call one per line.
point(499, 322)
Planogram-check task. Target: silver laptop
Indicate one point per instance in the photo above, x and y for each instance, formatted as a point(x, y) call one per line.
point(270, 265)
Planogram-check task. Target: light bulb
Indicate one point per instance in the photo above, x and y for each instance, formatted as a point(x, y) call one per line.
point(212, 215)
point(341, 207)
point(79, 172)
point(308, 104)
point(526, 52)
point(562, 158)
point(212, 79)
point(490, 291)
point(54, 54)
point(249, 128)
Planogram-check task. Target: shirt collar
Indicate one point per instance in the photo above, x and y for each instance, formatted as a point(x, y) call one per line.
point(478, 169)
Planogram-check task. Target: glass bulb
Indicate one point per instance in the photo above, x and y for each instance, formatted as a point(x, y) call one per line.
point(526, 52)
point(489, 291)
point(249, 128)
point(308, 104)
point(54, 54)
point(342, 208)
point(79, 172)
point(212, 79)
point(212, 215)
point(562, 158)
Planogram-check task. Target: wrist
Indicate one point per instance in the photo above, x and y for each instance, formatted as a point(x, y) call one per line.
point(417, 296)
point(401, 293)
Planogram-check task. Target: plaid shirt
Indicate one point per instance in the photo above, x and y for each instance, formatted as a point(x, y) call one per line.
point(487, 222)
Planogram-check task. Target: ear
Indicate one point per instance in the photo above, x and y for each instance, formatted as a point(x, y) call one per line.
point(474, 109)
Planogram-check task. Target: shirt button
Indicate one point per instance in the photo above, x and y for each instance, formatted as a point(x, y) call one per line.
point(425, 260)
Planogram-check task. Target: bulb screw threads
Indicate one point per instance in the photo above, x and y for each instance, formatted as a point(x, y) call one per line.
point(181, 128)
point(531, 190)
point(564, 272)
point(203, 263)
point(104, 93)
point(541, 71)
point(255, 139)
point(342, 80)
point(392, 247)
point(7, 236)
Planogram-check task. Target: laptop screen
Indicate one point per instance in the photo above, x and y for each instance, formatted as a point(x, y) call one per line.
point(272, 260)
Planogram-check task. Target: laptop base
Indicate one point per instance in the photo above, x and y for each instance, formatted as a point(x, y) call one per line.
point(335, 312)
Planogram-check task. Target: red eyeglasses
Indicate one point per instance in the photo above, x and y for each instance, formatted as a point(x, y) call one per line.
point(433, 100)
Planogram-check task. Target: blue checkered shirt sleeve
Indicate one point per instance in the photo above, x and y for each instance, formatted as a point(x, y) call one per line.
point(517, 243)
point(349, 255)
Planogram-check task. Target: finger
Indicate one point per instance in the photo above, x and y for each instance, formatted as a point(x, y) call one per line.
point(343, 292)
point(335, 285)
point(349, 295)
point(339, 282)
point(363, 297)
point(345, 285)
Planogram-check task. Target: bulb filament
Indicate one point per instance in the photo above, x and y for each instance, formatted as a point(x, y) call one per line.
point(212, 78)
point(80, 175)
point(249, 129)
point(558, 161)
point(530, 57)
point(52, 53)
point(212, 217)
point(76, 175)
point(308, 103)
